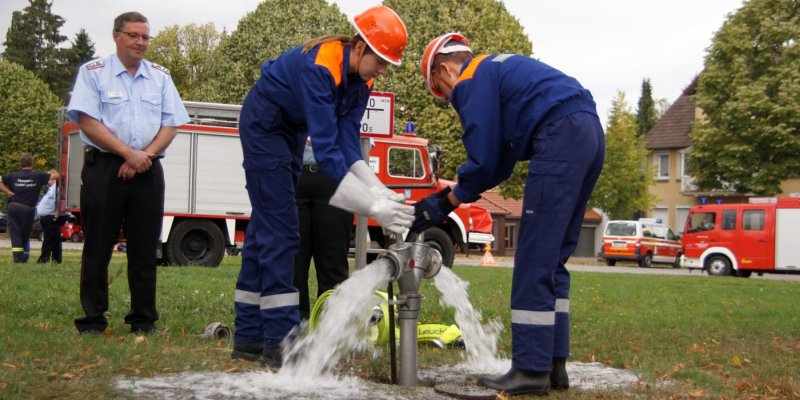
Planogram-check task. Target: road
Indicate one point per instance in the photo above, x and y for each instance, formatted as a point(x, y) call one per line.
point(579, 264)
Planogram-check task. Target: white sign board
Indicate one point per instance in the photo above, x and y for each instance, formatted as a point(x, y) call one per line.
point(378, 119)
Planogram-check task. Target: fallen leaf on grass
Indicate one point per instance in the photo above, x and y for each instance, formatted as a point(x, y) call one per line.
point(713, 366)
point(697, 393)
point(9, 365)
point(736, 362)
point(3, 385)
point(136, 358)
point(678, 367)
point(234, 369)
point(42, 325)
point(741, 386)
point(502, 396)
point(140, 339)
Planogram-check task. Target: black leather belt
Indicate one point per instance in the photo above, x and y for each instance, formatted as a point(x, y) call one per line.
point(311, 167)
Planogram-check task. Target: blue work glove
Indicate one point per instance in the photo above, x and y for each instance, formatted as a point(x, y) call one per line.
point(431, 211)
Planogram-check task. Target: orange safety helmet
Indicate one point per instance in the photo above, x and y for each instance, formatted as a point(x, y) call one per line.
point(434, 48)
point(384, 32)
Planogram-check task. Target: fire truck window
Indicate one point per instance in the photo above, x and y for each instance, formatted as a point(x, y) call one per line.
point(702, 221)
point(405, 163)
point(753, 220)
point(729, 220)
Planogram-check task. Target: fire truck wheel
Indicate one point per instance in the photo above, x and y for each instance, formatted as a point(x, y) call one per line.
point(646, 261)
point(611, 262)
point(440, 240)
point(195, 242)
point(718, 266)
point(677, 262)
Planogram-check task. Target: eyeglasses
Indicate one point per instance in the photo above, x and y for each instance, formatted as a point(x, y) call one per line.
point(135, 36)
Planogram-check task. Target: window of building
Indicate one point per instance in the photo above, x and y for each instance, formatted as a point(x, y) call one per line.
point(511, 236)
point(753, 220)
point(662, 166)
point(684, 165)
point(405, 163)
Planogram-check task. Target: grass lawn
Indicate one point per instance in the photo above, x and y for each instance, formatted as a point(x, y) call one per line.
point(687, 337)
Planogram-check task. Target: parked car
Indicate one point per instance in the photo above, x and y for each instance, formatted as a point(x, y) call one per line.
point(645, 241)
point(72, 230)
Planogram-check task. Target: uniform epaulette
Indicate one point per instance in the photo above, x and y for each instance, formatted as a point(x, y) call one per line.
point(95, 65)
point(160, 68)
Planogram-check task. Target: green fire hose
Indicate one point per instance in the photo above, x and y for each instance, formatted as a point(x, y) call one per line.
point(438, 335)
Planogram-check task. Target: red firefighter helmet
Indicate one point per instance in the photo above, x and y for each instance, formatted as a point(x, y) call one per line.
point(384, 32)
point(435, 47)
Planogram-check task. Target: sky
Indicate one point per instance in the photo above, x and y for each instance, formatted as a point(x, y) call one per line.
point(608, 45)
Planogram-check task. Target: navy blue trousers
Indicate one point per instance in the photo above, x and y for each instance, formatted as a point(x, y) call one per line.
point(567, 160)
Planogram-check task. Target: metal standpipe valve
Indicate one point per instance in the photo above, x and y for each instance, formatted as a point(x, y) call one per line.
point(412, 262)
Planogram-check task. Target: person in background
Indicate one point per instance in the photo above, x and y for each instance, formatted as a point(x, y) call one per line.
point(324, 232)
point(51, 226)
point(22, 188)
point(318, 90)
point(128, 110)
point(514, 108)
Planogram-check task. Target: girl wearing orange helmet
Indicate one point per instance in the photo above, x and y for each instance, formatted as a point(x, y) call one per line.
point(318, 91)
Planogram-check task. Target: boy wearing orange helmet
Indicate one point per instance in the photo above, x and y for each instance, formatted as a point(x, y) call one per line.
point(514, 108)
point(319, 90)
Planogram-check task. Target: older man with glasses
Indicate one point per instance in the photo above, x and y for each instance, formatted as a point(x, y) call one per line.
point(128, 110)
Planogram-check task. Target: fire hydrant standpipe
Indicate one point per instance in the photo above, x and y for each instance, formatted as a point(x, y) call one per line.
point(411, 262)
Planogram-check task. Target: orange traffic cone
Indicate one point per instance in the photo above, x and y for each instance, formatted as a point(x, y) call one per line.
point(487, 256)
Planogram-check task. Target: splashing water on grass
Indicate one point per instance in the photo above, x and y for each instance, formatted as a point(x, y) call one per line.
point(480, 341)
point(343, 326)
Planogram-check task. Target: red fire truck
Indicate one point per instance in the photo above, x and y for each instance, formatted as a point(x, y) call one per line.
point(206, 207)
point(738, 239)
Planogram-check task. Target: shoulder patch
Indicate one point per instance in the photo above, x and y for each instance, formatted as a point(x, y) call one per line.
point(160, 68)
point(95, 65)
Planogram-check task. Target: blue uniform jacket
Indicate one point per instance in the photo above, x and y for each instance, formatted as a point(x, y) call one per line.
point(133, 108)
point(315, 95)
point(503, 100)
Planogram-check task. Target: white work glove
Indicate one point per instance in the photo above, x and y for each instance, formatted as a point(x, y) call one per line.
point(370, 180)
point(352, 195)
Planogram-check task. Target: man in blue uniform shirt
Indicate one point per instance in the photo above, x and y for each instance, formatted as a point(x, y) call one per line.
point(22, 188)
point(514, 108)
point(128, 110)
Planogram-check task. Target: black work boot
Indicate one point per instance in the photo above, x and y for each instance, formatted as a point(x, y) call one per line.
point(247, 351)
point(517, 381)
point(271, 357)
point(558, 375)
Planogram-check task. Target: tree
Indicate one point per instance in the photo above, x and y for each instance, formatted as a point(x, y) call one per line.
point(274, 27)
point(28, 114)
point(82, 50)
point(490, 29)
point(749, 91)
point(622, 187)
point(188, 52)
point(32, 41)
point(646, 115)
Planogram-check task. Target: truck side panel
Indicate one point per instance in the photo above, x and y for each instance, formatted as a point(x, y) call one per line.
point(177, 175)
point(220, 181)
point(787, 230)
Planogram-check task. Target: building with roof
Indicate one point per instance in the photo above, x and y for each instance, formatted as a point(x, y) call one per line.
point(669, 144)
point(506, 214)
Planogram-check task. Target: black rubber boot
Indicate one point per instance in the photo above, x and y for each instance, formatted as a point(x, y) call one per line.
point(271, 357)
point(247, 351)
point(516, 382)
point(558, 375)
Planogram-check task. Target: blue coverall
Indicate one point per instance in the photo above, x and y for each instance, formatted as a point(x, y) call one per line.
point(514, 108)
point(297, 95)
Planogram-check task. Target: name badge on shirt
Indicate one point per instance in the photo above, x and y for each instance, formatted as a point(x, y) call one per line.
point(114, 95)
